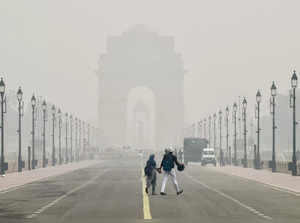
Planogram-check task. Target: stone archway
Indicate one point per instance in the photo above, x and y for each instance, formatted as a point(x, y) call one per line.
point(141, 58)
point(141, 113)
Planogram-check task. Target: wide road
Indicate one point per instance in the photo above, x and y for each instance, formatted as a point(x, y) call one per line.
point(112, 192)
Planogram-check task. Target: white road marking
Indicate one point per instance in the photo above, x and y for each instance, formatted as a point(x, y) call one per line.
point(12, 189)
point(252, 210)
point(42, 209)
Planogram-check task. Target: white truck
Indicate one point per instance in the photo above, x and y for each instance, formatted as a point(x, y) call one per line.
point(208, 156)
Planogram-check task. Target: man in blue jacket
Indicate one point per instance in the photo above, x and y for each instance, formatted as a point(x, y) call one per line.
point(168, 164)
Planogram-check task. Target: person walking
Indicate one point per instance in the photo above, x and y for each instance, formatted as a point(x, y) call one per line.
point(150, 173)
point(167, 164)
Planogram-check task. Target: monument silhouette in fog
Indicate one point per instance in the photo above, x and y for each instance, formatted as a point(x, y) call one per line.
point(141, 90)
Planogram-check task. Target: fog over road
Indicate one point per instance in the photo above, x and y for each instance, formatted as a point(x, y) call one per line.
point(111, 191)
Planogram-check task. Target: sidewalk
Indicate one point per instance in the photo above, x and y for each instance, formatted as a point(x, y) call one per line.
point(278, 180)
point(14, 180)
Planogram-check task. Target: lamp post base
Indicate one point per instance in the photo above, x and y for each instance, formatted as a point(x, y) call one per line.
point(294, 170)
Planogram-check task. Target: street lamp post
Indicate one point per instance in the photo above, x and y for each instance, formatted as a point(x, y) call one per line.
point(66, 152)
point(258, 100)
point(59, 136)
point(76, 139)
point(83, 139)
point(44, 107)
point(215, 141)
point(38, 126)
point(94, 137)
point(209, 130)
point(3, 102)
point(272, 106)
point(228, 156)
point(20, 109)
point(88, 137)
point(33, 104)
point(204, 128)
point(79, 139)
point(220, 143)
point(200, 129)
point(71, 138)
point(294, 84)
point(234, 144)
point(53, 135)
point(245, 161)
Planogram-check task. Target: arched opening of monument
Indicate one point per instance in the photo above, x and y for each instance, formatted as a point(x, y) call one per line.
point(140, 125)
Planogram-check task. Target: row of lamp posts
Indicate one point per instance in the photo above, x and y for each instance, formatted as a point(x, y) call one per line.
point(213, 118)
point(69, 122)
point(257, 158)
point(56, 113)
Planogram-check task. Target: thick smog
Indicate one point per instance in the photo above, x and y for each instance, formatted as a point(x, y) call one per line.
point(149, 111)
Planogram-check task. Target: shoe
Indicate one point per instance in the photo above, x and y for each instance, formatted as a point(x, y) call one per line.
point(146, 190)
point(153, 193)
point(163, 193)
point(180, 192)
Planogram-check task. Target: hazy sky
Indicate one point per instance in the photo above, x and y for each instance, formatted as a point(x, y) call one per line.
point(230, 47)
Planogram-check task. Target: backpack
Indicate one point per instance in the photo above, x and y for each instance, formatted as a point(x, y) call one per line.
point(148, 169)
point(168, 162)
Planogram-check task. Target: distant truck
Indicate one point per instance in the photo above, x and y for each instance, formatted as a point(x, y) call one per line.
point(193, 149)
point(208, 157)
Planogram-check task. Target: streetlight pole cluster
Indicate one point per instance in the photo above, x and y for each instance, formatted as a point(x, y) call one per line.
point(236, 107)
point(56, 115)
point(227, 157)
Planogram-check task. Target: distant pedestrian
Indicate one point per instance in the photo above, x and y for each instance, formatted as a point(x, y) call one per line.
point(168, 164)
point(150, 173)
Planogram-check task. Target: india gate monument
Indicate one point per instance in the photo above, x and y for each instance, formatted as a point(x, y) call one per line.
point(141, 101)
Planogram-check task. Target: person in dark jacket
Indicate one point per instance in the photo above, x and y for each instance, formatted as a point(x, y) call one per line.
point(150, 172)
point(167, 164)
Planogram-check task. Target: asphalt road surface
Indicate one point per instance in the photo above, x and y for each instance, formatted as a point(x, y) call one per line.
point(112, 192)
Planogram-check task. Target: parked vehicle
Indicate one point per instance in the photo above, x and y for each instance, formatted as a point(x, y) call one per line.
point(208, 157)
point(193, 149)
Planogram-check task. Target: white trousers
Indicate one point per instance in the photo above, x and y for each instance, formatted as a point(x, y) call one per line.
point(172, 174)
